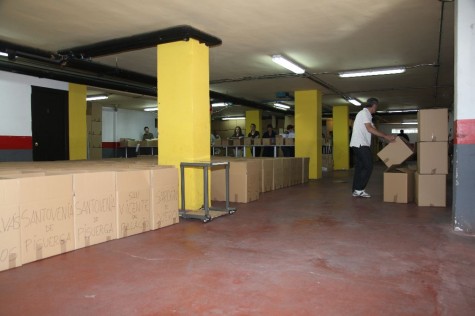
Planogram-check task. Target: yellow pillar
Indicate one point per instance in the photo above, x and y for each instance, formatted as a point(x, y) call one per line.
point(77, 122)
point(183, 111)
point(253, 116)
point(308, 129)
point(341, 137)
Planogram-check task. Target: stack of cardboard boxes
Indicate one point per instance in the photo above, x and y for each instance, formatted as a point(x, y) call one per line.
point(432, 157)
point(94, 131)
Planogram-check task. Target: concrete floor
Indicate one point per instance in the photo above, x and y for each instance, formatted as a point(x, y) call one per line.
point(310, 249)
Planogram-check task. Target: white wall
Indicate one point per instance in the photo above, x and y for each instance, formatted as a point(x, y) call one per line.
point(126, 124)
point(15, 101)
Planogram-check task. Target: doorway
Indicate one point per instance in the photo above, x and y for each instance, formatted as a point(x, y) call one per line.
point(49, 124)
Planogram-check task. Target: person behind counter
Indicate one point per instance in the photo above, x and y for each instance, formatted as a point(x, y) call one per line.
point(147, 134)
point(289, 151)
point(237, 135)
point(269, 150)
point(255, 134)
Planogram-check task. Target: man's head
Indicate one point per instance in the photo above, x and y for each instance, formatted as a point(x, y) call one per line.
point(269, 127)
point(253, 127)
point(372, 104)
point(145, 129)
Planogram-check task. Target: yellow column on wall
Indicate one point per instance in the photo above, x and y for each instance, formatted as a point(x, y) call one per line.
point(308, 129)
point(253, 116)
point(77, 122)
point(183, 111)
point(341, 137)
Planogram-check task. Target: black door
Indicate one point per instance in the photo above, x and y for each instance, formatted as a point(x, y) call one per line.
point(49, 124)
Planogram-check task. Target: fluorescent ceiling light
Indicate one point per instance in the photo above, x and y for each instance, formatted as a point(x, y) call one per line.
point(219, 104)
point(3, 54)
point(398, 111)
point(150, 109)
point(97, 97)
point(278, 59)
point(371, 72)
point(233, 118)
point(281, 106)
point(354, 102)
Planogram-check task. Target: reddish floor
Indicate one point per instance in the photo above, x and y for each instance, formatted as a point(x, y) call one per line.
point(306, 250)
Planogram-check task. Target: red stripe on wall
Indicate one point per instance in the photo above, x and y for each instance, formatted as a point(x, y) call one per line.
point(110, 145)
point(16, 142)
point(465, 132)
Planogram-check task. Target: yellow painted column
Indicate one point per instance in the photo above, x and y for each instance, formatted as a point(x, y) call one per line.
point(341, 137)
point(253, 116)
point(183, 111)
point(77, 122)
point(308, 129)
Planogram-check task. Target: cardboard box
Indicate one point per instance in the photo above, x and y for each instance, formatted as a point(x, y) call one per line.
point(96, 128)
point(244, 181)
point(267, 177)
point(432, 158)
point(10, 245)
point(268, 141)
point(96, 112)
point(395, 153)
point(46, 212)
point(305, 169)
point(430, 189)
point(398, 185)
point(238, 142)
point(95, 141)
point(433, 125)
point(287, 172)
point(289, 141)
point(217, 142)
point(258, 141)
point(128, 142)
point(133, 198)
point(296, 171)
point(279, 140)
point(248, 141)
point(278, 179)
point(95, 208)
point(164, 197)
point(95, 153)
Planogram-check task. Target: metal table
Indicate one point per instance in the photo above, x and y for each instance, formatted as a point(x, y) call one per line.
point(206, 217)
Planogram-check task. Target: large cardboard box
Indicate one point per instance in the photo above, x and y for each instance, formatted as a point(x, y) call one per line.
point(432, 158)
point(267, 174)
point(46, 212)
point(164, 197)
point(95, 153)
point(399, 185)
point(296, 171)
point(244, 181)
point(133, 197)
point(287, 172)
point(278, 179)
point(305, 169)
point(10, 253)
point(95, 208)
point(395, 153)
point(433, 125)
point(430, 189)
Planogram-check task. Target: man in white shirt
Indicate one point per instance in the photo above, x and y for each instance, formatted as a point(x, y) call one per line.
point(361, 146)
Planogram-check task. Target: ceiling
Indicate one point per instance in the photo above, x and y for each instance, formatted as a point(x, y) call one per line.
point(325, 37)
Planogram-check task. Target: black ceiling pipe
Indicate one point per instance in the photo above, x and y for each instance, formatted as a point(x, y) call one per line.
point(141, 41)
point(74, 77)
point(11, 47)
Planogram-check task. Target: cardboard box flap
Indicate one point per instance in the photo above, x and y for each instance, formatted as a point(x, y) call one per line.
point(395, 153)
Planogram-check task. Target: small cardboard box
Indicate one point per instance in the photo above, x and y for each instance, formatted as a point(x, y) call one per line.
point(398, 185)
point(432, 158)
point(217, 142)
point(430, 189)
point(279, 140)
point(238, 142)
point(268, 141)
point(128, 142)
point(95, 141)
point(248, 141)
point(433, 125)
point(289, 141)
point(258, 141)
point(10, 253)
point(152, 142)
point(395, 153)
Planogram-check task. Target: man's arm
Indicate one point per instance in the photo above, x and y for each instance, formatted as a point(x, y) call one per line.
point(374, 131)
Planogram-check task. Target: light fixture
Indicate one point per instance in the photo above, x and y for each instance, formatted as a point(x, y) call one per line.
point(372, 72)
point(219, 104)
point(150, 109)
point(233, 118)
point(397, 111)
point(354, 101)
point(3, 54)
point(281, 106)
point(278, 59)
point(97, 97)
